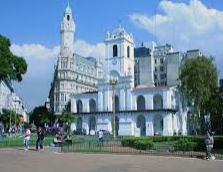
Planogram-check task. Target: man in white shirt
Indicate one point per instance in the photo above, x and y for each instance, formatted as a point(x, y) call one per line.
point(26, 139)
point(100, 137)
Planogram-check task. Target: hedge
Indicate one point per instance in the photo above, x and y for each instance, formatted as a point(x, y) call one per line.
point(180, 143)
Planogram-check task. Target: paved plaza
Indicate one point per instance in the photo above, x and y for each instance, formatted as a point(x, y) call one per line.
point(48, 161)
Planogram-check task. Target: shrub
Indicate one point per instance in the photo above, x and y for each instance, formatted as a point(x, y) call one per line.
point(183, 143)
point(218, 142)
point(143, 144)
point(188, 144)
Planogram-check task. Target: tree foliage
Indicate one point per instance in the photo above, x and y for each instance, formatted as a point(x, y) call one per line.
point(5, 118)
point(67, 118)
point(198, 78)
point(215, 107)
point(11, 67)
point(40, 116)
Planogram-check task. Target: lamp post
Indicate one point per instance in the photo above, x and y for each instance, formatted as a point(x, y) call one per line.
point(113, 82)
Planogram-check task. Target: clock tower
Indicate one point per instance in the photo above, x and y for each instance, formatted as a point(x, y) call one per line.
point(67, 33)
point(119, 53)
point(65, 75)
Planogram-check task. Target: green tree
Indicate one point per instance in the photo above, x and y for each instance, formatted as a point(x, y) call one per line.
point(215, 107)
point(198, 78)
point(40, 116)
point(7, 117)
point(11, 67)
point(67, 118)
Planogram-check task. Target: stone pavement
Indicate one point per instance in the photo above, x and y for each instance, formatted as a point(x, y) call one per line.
point(17, 160)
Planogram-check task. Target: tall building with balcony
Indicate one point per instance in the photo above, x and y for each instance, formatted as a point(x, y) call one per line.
point(73, 73)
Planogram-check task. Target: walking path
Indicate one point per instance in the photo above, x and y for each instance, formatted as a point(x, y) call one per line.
point(17, 160)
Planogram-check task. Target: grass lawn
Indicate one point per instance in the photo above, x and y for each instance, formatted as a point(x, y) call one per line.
point(17, 141)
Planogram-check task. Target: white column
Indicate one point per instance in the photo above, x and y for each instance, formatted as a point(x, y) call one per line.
point(73, 105)
point(122, 99)
point(167, 125)
point(100, 101)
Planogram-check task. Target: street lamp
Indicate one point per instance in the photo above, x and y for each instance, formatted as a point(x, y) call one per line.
point(113, 82)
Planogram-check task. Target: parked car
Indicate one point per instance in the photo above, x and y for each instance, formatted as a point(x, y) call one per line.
point(80, 132)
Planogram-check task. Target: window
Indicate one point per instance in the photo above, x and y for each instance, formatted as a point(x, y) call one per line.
point(161, 68)
point(155, 69)
point(161, 60)
point(157, 102)
point(162, 76)
point(115, 51)
point(155, 61)
point(68, 17)
point(79, 106)
point(155, 76)
point(92, 105)
point(141, 103)
point(128, 51)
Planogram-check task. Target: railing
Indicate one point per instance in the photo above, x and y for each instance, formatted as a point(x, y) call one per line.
point(115, 146)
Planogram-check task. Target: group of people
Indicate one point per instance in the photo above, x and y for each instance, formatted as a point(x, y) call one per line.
point(57, 141)
point(39, 140)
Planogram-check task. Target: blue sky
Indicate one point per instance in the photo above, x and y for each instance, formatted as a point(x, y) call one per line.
point(33, 27)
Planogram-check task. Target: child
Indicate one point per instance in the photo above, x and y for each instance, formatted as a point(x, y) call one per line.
point(26, 139)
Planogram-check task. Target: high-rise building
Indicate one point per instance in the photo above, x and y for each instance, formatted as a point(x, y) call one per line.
point(73, 73)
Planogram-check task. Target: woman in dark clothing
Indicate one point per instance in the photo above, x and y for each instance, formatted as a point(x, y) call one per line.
point(40, 137)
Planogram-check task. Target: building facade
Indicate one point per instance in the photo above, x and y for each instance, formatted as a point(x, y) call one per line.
point(159, 65)
point(139, 110)
point(144, 95)
point(73, 73)
point(10, 101)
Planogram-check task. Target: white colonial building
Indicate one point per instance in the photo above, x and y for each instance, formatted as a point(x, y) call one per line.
point(10, 101)
point(145, 92)
point(139, 111)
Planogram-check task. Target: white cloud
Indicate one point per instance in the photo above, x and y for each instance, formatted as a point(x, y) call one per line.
point(41, 60)
point(186, 26)
point(85, 49)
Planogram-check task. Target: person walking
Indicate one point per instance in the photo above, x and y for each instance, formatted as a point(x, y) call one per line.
point(100, 137)
point(209, 141)
point(26, 139)
point(40, 138)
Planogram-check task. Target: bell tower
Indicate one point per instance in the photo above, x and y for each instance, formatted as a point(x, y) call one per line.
point(65, 75)
point(119, 53)
point(67, 30)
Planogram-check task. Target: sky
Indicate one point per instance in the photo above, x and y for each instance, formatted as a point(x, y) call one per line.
point(33, 28)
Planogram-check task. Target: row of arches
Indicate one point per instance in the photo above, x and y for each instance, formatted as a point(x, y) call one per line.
point(141, 104)
point(92, 106)
point(115, 51)
point(157, 102)
point(140, 123)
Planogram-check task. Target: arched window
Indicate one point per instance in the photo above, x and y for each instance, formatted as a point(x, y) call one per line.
point(92, 105)
point(158, 125)
point(92, 124)
point(157, 102)
point(68, 17)
point(141, 103)
point(141, 123)
point(79, 106)
point(117, 103)
point(115, 50)
point(79, 124)
point(128, 51)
